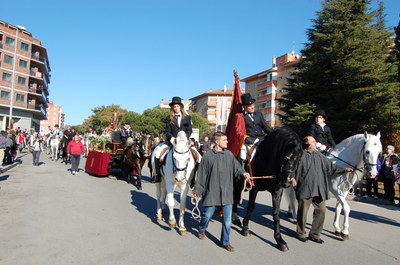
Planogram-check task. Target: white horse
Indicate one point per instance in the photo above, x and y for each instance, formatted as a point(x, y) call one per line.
point(178, 170)
point(54, 145)
point(361, 152)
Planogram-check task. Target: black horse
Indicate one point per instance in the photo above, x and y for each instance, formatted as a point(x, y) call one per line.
point(273, 167)
point(135, 155)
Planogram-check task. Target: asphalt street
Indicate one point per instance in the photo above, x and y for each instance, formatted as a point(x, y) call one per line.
point(49, 216)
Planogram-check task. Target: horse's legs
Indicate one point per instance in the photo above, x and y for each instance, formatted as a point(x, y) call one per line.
point(160, 195)
point(336, 220)
point(250, 208)
point(342, 204)
point(290, 196)
point(276, 203)
point(170, 201)
point(237, 192)
point(182, 207)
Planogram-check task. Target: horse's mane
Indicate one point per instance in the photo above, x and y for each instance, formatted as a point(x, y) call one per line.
point(349, 140)
point(274, 147)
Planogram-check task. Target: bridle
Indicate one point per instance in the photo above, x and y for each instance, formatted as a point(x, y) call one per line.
point(175, 168)
point(364, 159)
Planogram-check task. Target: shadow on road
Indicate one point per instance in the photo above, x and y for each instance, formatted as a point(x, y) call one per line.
point(372, 218)
point(5, 177)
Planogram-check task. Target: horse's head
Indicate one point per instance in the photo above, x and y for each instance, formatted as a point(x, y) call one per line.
point(181, 156)
point(290, 160)
point(371, 151)
point(278, 154)
point(146, 145)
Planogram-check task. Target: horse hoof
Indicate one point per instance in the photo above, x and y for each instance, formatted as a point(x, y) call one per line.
point(344, 236)
point(159, 218)
point(246, 232)
point(182, 232)
point(172, 225)
point(283, 248)
point(237, 222)
point(337, 233)
point(139, 187)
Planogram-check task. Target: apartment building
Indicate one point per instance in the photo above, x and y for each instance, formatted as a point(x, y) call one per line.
point(214, 106)
point(54, 116)
point(268, 86)
point(24, 78)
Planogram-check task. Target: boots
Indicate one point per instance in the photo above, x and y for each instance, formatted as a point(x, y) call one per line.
point(157, 168)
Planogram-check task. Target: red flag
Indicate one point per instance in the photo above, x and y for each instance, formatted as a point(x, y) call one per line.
point(236, 128)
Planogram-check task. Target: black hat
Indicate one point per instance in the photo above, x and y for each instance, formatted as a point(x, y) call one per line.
point(320, 112)
point(247, 99)
point(176, 100)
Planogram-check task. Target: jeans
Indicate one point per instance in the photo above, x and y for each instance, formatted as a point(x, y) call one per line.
point(75, 162)
point(36, 156)
point(226, 223)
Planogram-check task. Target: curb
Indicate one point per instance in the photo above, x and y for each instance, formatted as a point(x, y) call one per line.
point(8, 167)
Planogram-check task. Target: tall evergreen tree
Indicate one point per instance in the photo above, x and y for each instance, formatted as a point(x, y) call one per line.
point(344, 68)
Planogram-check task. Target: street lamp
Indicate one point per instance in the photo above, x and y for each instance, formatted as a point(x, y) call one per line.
point(13, 76)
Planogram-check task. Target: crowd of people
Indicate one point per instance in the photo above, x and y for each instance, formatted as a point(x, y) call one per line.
point(218, 169)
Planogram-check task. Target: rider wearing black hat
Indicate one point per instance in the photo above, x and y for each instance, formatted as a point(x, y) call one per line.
point(321, 132)
point(256, 126)
point(178, 120)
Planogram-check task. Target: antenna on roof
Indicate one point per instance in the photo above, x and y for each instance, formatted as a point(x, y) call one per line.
point(293, 48)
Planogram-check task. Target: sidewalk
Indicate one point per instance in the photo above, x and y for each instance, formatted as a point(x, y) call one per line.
point(17, 162)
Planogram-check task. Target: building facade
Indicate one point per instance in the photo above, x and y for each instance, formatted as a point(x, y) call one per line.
point(214, 106)
point(54, 116)
point(268, 86)
point(24, 78)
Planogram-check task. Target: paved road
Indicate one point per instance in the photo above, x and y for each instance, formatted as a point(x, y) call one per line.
point(48, 216)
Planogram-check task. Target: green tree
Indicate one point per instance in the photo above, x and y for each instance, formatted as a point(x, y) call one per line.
point(102, 117)
point(201, 123)
point(344, 70)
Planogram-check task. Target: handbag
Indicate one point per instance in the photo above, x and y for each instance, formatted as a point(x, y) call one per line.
point(30, 149)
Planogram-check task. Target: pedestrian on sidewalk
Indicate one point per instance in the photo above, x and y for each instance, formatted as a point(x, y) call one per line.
point(75, 149)
point(3, 141)
point(214, 183)
point(37, 148)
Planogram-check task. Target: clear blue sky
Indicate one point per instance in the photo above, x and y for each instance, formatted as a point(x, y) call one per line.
point(134, 53)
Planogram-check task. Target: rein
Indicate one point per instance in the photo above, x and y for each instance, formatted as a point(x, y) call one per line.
point(248, 184)
point(347, 163)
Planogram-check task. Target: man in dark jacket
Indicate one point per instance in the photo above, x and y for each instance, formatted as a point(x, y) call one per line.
point(256, 126)
point(126, 132)
point(321, 132)
point(214, 183)
point(311, 185)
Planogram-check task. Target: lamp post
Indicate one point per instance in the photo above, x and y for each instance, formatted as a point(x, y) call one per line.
point(13, 76)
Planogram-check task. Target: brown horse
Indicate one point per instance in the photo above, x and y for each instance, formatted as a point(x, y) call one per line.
point(135, 155)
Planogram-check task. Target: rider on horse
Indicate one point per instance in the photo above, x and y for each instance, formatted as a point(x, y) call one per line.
point(321, 132)
point(126, 133)
point(178, 120)
point(256, 126)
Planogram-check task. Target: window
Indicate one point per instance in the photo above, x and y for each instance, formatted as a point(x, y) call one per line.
point(20, 98)
point(7, 77)
point(8, 59)
point(24, 46)
point(21, 80)
point(5, 95)
point(10, 42)
point(23, 64)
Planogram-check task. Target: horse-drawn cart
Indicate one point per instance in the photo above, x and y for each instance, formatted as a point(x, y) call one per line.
point(104, 155)
point(111, 158)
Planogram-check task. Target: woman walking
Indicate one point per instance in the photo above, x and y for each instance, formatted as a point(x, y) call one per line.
point(37, 148)
point(75, 149)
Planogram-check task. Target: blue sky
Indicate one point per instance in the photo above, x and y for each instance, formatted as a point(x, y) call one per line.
point(134, 53)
